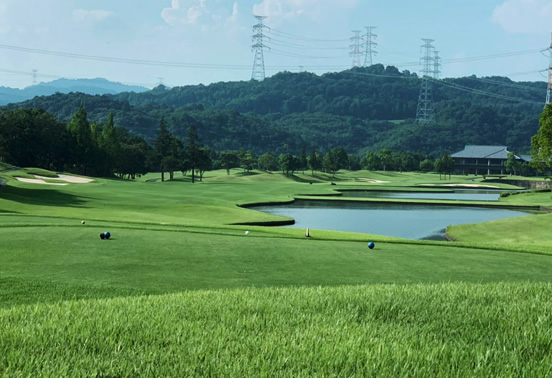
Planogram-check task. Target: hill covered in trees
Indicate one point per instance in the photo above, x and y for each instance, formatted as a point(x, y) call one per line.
point(90, 86)
point(359, 110)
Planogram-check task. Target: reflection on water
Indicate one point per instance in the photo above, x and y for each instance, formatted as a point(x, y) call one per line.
point(399, 220)
point(458, 195)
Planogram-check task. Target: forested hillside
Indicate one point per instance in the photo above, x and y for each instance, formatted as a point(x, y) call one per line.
point(359, 109)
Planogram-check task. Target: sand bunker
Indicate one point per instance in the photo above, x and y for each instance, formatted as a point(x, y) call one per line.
point(71, 179)
point(68, 178)
point(39, 181)
point(372, 181)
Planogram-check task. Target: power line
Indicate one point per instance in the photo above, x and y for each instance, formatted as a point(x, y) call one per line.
point(295, 55)
point(483, 93)
point(123, 60)
point(294, 36)
point(450, 85)
point(303, 47)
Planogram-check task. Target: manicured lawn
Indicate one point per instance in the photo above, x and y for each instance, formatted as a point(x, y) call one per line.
point(181, 290)
point(429, 330)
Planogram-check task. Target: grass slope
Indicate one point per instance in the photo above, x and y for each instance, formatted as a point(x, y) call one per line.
point(415, 330)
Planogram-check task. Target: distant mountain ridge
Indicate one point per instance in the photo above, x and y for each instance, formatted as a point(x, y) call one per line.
point(358, 109)
point(96, 86)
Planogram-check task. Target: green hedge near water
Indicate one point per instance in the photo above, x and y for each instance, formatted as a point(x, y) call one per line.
point(502, 329)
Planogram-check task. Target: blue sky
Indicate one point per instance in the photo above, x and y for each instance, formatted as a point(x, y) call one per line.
point(210, 40)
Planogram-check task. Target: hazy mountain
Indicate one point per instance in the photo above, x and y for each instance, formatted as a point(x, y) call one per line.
point(89, 86)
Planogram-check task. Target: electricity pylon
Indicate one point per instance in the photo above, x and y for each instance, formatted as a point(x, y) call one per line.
point(355, 48)
point(369, 45)
point(258, 46)
point(424, 112)
point(549, 89)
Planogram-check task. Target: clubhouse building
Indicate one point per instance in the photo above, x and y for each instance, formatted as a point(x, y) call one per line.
point(483, 160)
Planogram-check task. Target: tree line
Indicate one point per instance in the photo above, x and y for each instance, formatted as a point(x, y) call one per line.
point(34, 138)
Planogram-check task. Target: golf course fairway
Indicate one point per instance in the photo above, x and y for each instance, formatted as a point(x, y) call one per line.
point(181, 289)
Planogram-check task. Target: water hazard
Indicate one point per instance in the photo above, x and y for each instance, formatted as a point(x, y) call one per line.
point(399, 220)
point(456, 195)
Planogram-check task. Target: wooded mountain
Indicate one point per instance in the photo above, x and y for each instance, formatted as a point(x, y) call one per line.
point(359, 109)
point(89, 86)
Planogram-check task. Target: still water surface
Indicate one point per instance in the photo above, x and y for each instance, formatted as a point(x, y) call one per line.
point(458, 195)
point(399, 220)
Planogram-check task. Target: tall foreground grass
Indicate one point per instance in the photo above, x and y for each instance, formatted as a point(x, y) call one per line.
point(423, 330)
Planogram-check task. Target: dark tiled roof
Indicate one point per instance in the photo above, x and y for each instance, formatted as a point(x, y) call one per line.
point(489, 152)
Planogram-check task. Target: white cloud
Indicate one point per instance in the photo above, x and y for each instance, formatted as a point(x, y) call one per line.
point(233, 18)
point(91, 14)
point(184, 12)
point(278, 10)
point(524, 16)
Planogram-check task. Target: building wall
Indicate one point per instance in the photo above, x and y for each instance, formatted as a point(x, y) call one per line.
point(479, 166)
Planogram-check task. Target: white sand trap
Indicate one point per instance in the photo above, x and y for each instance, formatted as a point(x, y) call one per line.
point(372, 181)
point(39, 181)
point(68, 178)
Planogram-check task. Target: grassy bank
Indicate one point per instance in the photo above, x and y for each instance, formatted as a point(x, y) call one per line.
point(416, 330)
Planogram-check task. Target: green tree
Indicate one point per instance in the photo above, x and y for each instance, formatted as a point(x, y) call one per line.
point(163, 145)
point(354, 162)
point(541, 143)
point(247, 160)
point(512, 164)
point(427, 165)
point(109, 145)
point(204, 163)
point(444, 165)
point(302, 160)
point(79, 128)
point(286, 163)
point(229, 160)
point(370, 161)
point(268, 162)
point(314, 161)
point(386, 159)
point(193, 150)
point(335, 159)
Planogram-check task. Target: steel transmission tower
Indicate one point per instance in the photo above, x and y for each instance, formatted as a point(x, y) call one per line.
point(34, 76)
point(549, 90)
point(258, 46)
point(369, 45)
point(355, 48)
point(424, 113)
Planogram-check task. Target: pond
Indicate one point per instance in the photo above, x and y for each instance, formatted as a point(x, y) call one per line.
point(456, 195)
point(400, 220)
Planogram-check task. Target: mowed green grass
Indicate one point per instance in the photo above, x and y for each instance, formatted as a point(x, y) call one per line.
point(153, 261)
point(379, 330)
point(180, 290)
